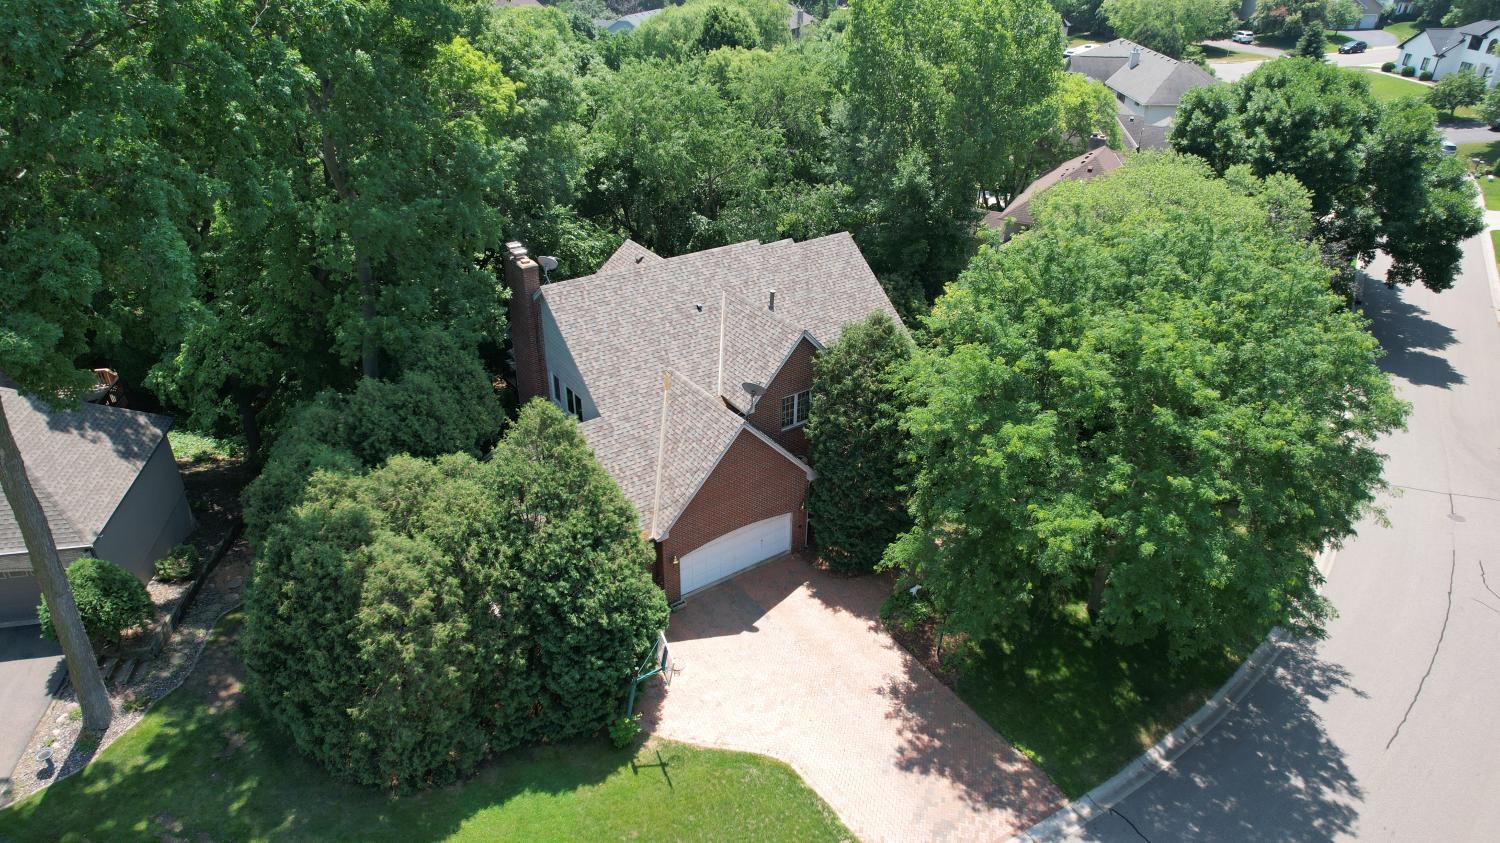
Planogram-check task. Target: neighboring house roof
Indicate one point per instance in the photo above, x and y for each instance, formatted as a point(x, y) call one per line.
point(1095, 162)
point(1371, 7)
point(81, 462)
point(1155, 80)
point(1140, 134)
point(648, 339)
point(629, 254)
point(514, 3)
point(1445, 41)
point(793, 22)
point(627, 23)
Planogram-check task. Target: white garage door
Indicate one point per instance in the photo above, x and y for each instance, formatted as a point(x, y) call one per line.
point(736, 551)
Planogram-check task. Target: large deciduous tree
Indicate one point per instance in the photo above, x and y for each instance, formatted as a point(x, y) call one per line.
point(1151, 403)
point(1375, 174)
point(1169, 26)
point(858, 504)
point(95, 233)
point(946, 100)
point(365, 150)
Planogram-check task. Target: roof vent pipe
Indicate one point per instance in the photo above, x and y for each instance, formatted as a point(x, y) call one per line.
point(771, 304)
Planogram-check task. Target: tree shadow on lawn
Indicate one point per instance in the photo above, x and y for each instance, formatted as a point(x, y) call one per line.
point(1082, 708)
point(204, 766)
point(1268, 772)
point(1409, 337)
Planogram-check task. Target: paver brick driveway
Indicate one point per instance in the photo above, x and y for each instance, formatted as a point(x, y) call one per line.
point(790, 662)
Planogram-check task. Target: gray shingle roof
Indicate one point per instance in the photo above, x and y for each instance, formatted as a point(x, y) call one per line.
point(81, 463)
point(626, 328)
point(1141, 135)
point(1156, 80)
point(1479, 27)
point(629, 254)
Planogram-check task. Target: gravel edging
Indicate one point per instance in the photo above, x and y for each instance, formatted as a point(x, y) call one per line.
point(59, 730)
point(1068, 821)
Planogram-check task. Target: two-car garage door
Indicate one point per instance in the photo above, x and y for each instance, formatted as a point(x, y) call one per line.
point(733, 552)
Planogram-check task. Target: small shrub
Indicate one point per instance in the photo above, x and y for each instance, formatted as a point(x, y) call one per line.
point(906, 611)
point(197, 447)
point(177, 565)
point(1408, 71)
point(110, 599)
point(1388, 66)
point(623, 731)
point(133, 701)
point(1425, 76)
point(75, 714)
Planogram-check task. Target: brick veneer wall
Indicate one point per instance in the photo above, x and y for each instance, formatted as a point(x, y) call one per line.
point(751, 483)
point(794, 377)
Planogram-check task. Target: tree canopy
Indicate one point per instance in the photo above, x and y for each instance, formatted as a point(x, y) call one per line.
point(1151, 402)
point(1375, 173)
point(1169, 26)
point(855, 444)
point(403, 625)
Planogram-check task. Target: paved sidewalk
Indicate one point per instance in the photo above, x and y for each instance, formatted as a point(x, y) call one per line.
point(790, 662)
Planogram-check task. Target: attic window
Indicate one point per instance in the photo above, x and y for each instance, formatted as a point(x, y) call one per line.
point(794, 409)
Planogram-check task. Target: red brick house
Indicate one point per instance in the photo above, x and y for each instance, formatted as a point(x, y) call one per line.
point(691, 379)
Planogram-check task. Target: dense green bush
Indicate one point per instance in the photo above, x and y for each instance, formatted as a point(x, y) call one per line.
point(1425, 76)
point(110, 600)
point(403, 624)
point(1388, 66)
point(858, 502)
point(442, 403)
point(1408, 71)
point(177, 565)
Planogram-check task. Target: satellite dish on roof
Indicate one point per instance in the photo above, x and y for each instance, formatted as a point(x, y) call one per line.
point(548, 263)
point(754, 390)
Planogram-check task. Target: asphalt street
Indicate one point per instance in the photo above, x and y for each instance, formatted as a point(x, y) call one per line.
point(1389, 729)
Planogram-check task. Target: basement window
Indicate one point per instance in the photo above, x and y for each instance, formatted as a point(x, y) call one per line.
point(794, 409)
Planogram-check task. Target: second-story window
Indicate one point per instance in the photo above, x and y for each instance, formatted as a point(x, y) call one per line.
point(794, 409)
point(575, 403)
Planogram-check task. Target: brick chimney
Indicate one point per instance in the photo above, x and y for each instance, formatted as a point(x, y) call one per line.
point(524, 278)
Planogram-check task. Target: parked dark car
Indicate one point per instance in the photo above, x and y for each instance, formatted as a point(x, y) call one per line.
point(1353, 47)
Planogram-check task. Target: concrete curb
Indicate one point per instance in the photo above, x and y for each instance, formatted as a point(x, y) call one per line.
point(1487, 245)
point(1068, 822)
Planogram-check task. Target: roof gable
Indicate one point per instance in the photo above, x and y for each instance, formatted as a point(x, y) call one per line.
point(1155, 80)
point(627, 327)
point(81, 462)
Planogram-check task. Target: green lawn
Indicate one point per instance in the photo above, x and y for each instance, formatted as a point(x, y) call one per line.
point(182, 772)
point(1489, 153)
point(1388, 87)
point(1403, 30)
point(1082, 709)
point(1220, 55)
point(1075, 40)
point(1282, 42)
point(197, 447)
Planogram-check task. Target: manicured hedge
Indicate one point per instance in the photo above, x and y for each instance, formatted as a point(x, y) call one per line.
point(1388, 66)
point(1408, 71)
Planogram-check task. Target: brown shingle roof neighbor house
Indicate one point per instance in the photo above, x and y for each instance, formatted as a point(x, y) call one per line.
point(108, 483)
point(1017, 214)
point(683, 369)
